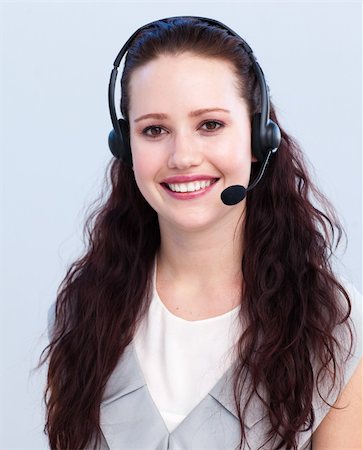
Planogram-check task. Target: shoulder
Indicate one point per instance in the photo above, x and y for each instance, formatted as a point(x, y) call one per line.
point(342, 428)
point(356, 299)
point(355, 320)
point(51, 320)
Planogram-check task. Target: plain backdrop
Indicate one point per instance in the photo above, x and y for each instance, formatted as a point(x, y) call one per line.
point(56, 59)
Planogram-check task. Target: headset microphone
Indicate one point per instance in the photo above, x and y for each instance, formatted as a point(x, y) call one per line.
point(236, 193)
point(233, 194)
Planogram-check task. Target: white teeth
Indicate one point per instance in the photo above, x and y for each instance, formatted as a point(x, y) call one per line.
point(190, 187)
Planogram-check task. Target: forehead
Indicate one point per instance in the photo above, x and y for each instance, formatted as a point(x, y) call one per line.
point(181, 80)
point(184, 67)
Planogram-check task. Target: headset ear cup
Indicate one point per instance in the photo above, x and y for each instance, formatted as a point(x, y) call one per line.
point(114, 143)
point(121, 148)
point(126, 155)
point(274, 135)
point(257, 147)
point(266, 139)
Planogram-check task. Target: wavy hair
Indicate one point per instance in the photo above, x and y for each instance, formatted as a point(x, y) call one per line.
point(291, 297)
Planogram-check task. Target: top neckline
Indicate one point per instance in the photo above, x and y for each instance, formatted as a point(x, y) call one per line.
point(220, 317)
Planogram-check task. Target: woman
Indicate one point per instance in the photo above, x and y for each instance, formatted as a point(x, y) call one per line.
point(194, 322)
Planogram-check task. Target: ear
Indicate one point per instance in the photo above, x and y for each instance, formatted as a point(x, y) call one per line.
point(254, 159)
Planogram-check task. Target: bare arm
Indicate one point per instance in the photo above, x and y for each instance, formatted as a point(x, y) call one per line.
point(343, 429)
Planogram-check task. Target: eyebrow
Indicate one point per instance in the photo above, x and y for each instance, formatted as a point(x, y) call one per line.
point(195, 113)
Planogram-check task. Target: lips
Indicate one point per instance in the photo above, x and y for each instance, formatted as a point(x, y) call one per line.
point(188, 185)
point(192, 186)
point(187, 178)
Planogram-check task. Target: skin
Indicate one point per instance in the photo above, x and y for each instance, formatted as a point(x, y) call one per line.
point(343, 430)
point(201, 238)
point(200, 253)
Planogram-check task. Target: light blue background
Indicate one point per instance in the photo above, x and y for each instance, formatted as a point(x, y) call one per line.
point(56, 60)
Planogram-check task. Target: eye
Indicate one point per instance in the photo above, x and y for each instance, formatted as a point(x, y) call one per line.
point(212, 125)
point(152, 131)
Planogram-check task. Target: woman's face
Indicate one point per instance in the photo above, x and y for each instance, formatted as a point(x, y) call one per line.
point(190, 136)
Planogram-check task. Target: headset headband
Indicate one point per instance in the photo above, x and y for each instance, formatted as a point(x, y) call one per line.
point(265, 103)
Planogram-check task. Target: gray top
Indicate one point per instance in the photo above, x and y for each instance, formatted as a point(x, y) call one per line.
point(130, 420)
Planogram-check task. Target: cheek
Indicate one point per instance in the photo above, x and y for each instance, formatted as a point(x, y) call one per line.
point(144, 178)
point(145, 166)
point(236, 161)
point(140, 159)
point(147, 157)
point(142, 173)
point(239, 151)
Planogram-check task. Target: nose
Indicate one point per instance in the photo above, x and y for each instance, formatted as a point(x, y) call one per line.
point(184, 153)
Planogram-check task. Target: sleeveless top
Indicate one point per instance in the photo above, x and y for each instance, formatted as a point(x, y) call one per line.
point(136, 412)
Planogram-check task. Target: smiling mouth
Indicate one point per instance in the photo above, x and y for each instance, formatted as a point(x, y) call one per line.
point(191, 186)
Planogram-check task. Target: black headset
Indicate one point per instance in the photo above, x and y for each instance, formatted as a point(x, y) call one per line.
point(266, 135)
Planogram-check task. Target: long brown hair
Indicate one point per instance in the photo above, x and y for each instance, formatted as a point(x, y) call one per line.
point(291, 297)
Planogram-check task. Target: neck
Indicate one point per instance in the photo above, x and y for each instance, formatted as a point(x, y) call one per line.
point(206, 258)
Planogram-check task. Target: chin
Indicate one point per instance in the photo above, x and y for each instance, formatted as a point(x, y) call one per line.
point(189, 223)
